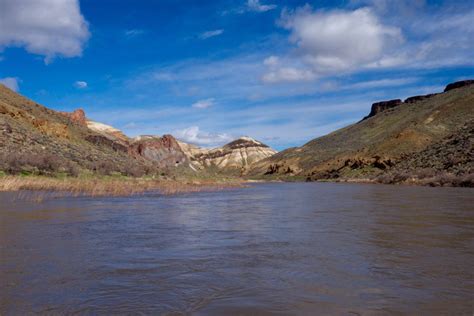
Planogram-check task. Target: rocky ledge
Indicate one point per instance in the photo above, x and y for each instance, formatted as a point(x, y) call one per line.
point(385, 105)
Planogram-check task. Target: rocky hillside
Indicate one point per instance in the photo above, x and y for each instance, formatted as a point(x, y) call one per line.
point(235, 157)
point(35, 139)
point(391, 132)
point(449, 161)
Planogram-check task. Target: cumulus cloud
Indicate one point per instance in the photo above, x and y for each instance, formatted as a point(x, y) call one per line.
point(80, 84)
point(195, 136)
point(331, 42)
point(11, 82)
point(255, 5)
point(204, 104)
point(45, 27)
point(339, 40)
point(383, 34)
point(209, 34)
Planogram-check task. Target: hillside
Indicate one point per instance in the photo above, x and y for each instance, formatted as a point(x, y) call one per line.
point(392, 131)
point(38, 140)
point(35, 139)
point(235, 157)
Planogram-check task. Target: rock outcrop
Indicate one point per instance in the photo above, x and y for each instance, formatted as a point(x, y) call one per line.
point(163, 151)
point(458, 84)
point(236, 156)
point(77, 116)
point(418, 98)
point(100, 140)
point(28, 129)
point(382, 106)
point(38, 140)
point(108, 131)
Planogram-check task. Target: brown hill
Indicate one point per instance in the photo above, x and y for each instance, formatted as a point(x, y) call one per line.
point(380, 141)
point(35, 139)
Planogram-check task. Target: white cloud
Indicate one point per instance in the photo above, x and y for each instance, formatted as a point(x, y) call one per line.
point(288, 74)
point(80, 84)
point(204, 104)
point(131, 125)
point(11, 82)
point(44, 27)
point(133, 32)
point(209, 34)
point(385, 35)
point(382, 83)
point(271, 61)
point(255, 5)
point(333, 41)
point(403, 8)
point(195, 136)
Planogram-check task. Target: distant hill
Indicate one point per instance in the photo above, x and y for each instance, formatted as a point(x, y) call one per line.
point(38, 140)
point(391, 136)
point(235, 157)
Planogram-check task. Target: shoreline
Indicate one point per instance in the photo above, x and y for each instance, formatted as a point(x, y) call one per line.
point(95, 186)
point(113, 187)
point(464, 181)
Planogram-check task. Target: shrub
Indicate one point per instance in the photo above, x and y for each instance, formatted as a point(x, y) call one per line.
point(104, 167)
point(42, 164)
point(425, 173)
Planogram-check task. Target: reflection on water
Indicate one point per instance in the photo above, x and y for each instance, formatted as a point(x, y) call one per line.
point(274, 248)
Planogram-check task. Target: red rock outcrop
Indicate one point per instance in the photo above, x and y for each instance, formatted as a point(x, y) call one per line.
point(77, 116)
point(164, 151)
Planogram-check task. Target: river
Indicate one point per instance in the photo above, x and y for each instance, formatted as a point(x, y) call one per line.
point(277, 248)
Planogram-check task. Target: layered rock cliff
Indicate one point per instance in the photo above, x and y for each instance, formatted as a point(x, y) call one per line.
point(108, 131)
point(236, 156)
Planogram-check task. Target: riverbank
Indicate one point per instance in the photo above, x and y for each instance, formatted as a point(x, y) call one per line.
point(438, 181)
point(422, 178)
point(112, 186)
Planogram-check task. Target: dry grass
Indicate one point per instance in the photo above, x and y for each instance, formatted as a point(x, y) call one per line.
point(108, 186)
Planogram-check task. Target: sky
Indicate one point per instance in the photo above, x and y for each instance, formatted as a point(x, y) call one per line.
point(282, 72)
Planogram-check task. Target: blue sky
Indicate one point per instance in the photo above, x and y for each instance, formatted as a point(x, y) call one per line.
point(283, 72)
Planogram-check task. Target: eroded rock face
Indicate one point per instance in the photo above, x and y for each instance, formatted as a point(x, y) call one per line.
point(164, 151)
point(382, 106)
point(458, 84)
point(100, 140)
point(417, 98)
point(108, 131)
point(77, 116)
point(236, 155)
